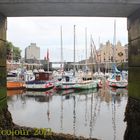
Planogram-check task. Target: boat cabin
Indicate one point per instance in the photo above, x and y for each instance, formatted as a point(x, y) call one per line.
point(43, 76)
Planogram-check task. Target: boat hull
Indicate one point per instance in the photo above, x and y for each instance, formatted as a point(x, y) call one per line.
point(85, 85)
point(39, 86)
point(117, 84)
point(12, 85)
point(38, 89)
point(64, 86)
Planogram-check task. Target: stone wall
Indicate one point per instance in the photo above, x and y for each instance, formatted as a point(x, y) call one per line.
point(132, 116)
point(134, 54)
point(132, 113)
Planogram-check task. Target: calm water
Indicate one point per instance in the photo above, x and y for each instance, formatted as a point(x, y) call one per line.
point(91, 113)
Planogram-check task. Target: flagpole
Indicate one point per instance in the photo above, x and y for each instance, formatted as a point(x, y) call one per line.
point(48, 58)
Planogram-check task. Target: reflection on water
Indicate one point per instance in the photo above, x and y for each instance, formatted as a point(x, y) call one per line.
point(89, 113)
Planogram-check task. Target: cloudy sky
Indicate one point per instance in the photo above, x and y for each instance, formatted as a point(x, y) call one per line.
point(45, 32)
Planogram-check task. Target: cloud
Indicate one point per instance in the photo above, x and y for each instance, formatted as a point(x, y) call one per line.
point(45, 32)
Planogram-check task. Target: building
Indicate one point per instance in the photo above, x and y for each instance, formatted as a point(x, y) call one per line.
point(109, 53)
point(32, 53)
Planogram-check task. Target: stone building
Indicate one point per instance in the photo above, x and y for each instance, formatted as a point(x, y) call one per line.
point(32, 53)
point(109, 53)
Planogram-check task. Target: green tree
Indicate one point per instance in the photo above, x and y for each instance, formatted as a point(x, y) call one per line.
point(16, 53)
point(13, 52)
point(9, 47)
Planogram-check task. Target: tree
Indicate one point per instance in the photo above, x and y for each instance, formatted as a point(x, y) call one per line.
point(16, 54)
point(13, 52)
point(9, 47)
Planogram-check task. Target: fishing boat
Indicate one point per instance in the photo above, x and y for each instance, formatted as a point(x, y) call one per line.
point(43, 81)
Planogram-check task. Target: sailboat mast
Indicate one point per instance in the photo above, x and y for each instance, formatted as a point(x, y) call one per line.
point(98, 59)
point(74, 52)
point(91, 47)
point(61, 49)
point(114, 43)
point(86, 45)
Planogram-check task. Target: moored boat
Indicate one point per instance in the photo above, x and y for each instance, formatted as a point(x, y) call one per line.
point(14, 81)
point(83, 85)
point(117, 80)
point(43, 81)
point(15, 85)
point(67, 82)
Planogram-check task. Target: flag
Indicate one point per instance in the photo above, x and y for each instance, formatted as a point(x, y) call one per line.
point(48, 54)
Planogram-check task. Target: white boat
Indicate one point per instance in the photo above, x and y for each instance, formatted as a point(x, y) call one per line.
point(67, 82)
point(117, 80)
point(86, 81)
point(43, 81)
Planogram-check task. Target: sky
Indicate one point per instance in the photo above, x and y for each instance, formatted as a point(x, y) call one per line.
point(45, 32)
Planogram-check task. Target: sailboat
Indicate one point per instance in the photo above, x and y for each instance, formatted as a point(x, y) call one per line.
point(84, 82)
point(67, 80)
point(117, 79)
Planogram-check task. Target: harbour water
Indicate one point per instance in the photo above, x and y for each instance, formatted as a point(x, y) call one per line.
point(89, 113)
